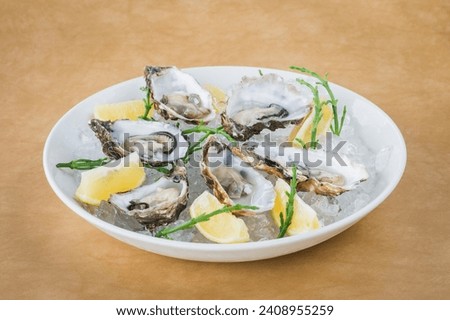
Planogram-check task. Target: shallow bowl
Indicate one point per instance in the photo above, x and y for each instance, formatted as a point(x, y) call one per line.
point(375, 128)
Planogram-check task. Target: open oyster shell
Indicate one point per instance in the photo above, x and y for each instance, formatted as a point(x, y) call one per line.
point(232, 180)
point(158, 203)
point(266, 102)
point(318, 170)
point(157, 143)
point(177, 95)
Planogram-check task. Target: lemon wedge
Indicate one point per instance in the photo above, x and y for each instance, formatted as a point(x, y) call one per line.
point(219, 97)
point(304, 218)
point(122, 110)
point(118, 176)
point(222, 228)
point(302, 131)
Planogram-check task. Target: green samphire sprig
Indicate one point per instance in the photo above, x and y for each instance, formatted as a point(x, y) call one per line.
point(318, 114)
point(208, 131)
point(83, 164)
point(164, 233)
point(285, 222)
point(88, 164)
point(148, 104)
point(336, 126)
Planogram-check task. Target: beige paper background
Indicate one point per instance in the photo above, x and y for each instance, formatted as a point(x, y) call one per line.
point(56, 53)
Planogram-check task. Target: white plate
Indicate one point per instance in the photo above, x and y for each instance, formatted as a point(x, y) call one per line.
point(377, 130)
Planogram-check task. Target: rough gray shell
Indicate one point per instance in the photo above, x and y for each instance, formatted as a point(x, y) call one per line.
point(266, 102)
point(159, 211)
point(117, 140)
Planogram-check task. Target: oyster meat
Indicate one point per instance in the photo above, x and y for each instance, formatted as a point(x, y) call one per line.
point(158, 203)
point(232, 180)
point(266, 102)
point(177, 95)
point(157, 143)
point(318, 170)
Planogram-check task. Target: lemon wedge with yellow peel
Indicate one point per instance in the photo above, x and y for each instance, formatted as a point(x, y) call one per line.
point(221, 228)
point(304, 218)
point(122, 110)
point(302, 131)
point(118, 176)
point(219, 97)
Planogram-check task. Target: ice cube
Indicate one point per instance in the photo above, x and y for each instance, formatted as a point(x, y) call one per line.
point(382, 158)
point(111, 214)
point(261, 226)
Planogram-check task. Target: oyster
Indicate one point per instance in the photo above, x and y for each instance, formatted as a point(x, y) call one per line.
point(177, 95)
point(266, 102)
point(318, 170)
point(232, 180)
point(157, 143)
point(157, 203)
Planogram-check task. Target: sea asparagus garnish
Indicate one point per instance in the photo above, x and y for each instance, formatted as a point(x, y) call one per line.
point(87, 164)
point(83, 164)
point(202, 128)
point(317, 112)
point(286, 222)
point(148, 104)
point(335, 127)
point(163, 233)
